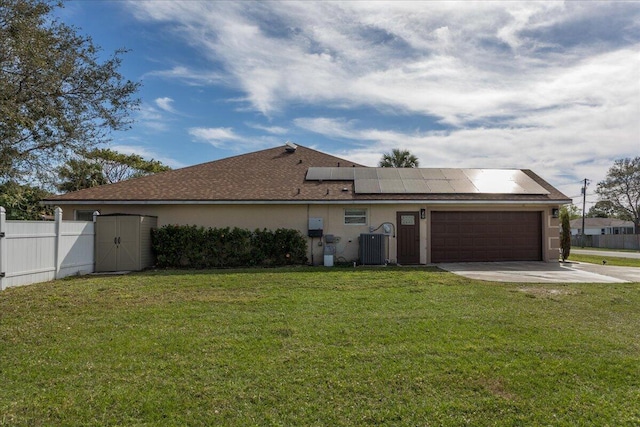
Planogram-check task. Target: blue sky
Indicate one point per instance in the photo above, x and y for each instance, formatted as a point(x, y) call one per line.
point(549, 86)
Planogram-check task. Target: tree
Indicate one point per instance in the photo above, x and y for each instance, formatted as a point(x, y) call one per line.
point(105, 166)
point(56, 96)
point(398, 159)
point(22, 202)
point(605, 209)
point(77, 174)
point(118, 167)
point(565, 233)
point(573, 211)
point(621, 189)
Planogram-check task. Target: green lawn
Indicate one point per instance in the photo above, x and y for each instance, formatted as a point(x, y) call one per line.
point(316, 347)
point(610, 260)
point(587, 248)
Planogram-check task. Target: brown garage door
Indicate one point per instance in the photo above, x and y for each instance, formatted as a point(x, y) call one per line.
point(486, 236)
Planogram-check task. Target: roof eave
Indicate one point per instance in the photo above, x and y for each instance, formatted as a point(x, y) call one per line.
point(550, 202)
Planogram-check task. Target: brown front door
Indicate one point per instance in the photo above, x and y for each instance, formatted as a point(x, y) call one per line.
point(408, 237)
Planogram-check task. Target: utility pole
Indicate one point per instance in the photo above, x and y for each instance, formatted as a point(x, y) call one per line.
point(584, 206)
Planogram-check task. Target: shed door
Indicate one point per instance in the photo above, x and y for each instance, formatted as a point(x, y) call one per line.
point(408, 237)
point(117, 243)
point(129, 243)
point(486, 236)
point(106, 243)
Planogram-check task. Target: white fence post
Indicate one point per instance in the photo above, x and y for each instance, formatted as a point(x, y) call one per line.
point(58, 243)
point(3, 246)
point(96, 214)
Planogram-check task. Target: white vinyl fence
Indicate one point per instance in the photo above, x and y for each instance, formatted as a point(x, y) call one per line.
point(39, 251)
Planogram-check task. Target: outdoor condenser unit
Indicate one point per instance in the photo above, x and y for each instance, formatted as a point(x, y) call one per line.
point(372, 249)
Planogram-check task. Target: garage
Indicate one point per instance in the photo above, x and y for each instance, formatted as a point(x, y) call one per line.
point(485, 236)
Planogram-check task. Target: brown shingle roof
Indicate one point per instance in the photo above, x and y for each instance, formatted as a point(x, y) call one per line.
point(262, 176)
point(272, 174)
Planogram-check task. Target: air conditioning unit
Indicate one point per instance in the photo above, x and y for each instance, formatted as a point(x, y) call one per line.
point(372, 249)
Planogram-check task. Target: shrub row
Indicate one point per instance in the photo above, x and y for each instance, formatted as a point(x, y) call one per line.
point(190, 246)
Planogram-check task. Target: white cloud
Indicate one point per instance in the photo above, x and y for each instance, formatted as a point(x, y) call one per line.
point(191, 77)
point(147, 154)
point(458, 63)
point(331, 127)
point(551, 86)
point(226, 138)
point(152, 119)
point(217, 137)
point(275, 130)
point(165, 104)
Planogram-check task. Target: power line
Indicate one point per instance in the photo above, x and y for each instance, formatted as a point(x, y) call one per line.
point(571, 183)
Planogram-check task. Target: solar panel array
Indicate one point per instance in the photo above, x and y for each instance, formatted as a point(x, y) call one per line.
point(430, 181)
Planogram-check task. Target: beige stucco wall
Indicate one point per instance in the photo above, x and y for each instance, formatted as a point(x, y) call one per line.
point(296, 217)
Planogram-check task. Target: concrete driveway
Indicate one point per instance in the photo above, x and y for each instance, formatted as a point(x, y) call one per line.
point(543, 272)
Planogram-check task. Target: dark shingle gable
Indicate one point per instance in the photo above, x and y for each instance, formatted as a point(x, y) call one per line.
point(272, 174)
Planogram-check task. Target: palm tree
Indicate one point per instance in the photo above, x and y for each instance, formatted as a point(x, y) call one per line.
point(398, 159)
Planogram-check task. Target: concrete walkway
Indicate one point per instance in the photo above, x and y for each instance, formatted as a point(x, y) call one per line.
point(543, 272)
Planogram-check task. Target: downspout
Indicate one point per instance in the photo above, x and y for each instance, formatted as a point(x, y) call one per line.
point(311, 246)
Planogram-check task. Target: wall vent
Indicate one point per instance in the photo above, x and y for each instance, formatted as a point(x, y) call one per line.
point(290, 147)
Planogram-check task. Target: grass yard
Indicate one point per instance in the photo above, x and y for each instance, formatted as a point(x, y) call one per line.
point(588, 248)
point(611, 260)
point(315, 347)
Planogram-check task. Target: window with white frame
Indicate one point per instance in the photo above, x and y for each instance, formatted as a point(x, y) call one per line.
point(355, 217)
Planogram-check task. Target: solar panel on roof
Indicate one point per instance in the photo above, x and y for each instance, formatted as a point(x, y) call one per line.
point(507, 181)
point(440, 186)
point(522, 177)
point(424, 181)
point(366, 173)
point(342, 174)
point(318, 173)
point(496, 187)
point(367, 186)
point(409, 173)
point(416, 186)
point(454, 174)
point(472, 173)
point(532, 187)
point(463, 186)
point(391, 186)
point(330, 174)
point(388, 173)
point(430, 174)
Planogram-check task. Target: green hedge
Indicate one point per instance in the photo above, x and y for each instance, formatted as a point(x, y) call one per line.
point(189, 246)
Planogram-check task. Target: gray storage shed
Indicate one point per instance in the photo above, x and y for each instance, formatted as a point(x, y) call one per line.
point(123, 242)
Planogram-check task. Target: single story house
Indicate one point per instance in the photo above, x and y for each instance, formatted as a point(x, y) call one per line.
point(599, 226)
point(424, 215)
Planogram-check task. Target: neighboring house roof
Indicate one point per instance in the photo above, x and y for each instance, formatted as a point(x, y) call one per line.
point(599, 223)
point(277, 175)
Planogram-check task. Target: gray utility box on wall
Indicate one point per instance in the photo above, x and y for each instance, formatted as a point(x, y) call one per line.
point(315, 227)
point(372, 249)
point(123, 242)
